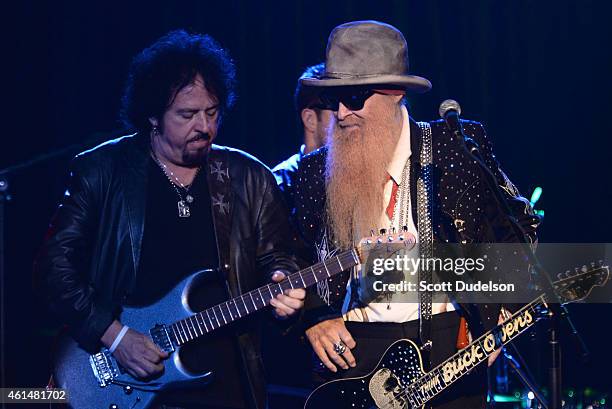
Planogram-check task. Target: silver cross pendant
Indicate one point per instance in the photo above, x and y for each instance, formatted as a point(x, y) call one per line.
point(183, 209)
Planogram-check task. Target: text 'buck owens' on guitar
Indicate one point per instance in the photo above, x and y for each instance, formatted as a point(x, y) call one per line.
point(399, 381)
point(98, 381)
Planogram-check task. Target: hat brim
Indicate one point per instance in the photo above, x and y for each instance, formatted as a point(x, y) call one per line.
point(412, 83)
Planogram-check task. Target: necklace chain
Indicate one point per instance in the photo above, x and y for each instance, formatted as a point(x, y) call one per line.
point(183, 208)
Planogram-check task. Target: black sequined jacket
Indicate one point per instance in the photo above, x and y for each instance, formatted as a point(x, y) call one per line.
point(285, 174)
point(463, 209)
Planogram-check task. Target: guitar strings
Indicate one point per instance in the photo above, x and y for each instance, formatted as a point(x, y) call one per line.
point(409, 390)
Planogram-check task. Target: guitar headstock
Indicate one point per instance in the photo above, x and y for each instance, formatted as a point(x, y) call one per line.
point(385, 243)
point(577, 285)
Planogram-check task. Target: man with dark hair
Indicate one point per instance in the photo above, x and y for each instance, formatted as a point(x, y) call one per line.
point(382, 170)
point(144, 211)
point(314, 118)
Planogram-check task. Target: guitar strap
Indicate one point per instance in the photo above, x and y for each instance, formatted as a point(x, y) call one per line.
point(219, 185)
point(222, 204)
point(424, 225)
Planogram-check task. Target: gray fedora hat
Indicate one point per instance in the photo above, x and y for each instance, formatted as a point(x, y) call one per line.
point(367, 53)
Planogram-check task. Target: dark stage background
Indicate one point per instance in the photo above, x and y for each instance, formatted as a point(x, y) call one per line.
point(537, 73)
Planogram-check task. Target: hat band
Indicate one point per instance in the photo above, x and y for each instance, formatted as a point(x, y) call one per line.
point(343, 75)
point(390, 91)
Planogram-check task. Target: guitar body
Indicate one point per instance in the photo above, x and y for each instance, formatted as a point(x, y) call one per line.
point(399, 382)
point(74, 367)
point(98, 381)
point(399, 366)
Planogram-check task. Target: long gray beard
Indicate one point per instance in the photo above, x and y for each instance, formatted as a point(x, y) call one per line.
point(356, 172)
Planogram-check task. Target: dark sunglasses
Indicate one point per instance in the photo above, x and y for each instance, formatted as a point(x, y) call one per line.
point(352, 98)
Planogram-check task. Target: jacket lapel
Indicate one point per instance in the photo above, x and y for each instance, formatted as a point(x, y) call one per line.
point(415, 166)
point(134, 183)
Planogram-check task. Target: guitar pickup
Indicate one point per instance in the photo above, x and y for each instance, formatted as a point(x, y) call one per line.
point(159, 334)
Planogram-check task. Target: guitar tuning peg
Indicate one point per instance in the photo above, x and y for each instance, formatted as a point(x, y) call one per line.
point(592, 264)
point(560, 276)
point(368, 241)
point(389, 239)
point(600, 262)
point(383, 232)
point(404, 228)
point(584, 269)
point(576, 270)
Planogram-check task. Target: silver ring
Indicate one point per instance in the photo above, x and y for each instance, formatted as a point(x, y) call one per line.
point(340, 347)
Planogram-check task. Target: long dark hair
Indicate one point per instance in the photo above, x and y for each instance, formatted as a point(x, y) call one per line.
point(168, 65)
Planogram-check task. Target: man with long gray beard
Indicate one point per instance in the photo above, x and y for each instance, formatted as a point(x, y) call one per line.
point(370, 176)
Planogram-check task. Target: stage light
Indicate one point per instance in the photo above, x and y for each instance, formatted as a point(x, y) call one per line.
point(505, 398)
point(535, 196)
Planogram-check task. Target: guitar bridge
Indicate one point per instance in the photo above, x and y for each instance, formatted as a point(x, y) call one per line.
point(161, 337)
point(103, 368)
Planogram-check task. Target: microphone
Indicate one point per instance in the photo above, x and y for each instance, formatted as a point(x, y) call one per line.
point(450, 111)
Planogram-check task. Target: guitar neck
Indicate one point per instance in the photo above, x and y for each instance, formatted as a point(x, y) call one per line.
point(213, 318)
point(574, 287)
point(438, 379)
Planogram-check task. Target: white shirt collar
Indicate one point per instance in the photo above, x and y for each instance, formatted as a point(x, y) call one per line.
point(402, 150)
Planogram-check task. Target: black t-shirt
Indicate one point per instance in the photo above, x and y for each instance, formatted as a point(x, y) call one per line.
point(173, 248)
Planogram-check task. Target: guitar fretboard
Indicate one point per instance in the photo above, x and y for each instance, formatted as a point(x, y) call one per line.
point(431, 384)
point(203, 322)
point(572, 288)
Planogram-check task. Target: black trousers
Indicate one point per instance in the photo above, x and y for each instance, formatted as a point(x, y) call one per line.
point(373, 339)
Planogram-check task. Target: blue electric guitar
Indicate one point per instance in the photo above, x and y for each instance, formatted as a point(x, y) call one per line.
point(98, 381)
point(399, 381)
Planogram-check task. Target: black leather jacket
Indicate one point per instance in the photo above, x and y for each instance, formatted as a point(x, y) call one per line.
point(91, 254)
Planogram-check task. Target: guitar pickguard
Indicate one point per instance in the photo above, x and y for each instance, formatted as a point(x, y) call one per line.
point(399, 367)
point(384, 388)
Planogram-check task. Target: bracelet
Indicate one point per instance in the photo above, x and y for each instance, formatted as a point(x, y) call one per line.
point(118, 339)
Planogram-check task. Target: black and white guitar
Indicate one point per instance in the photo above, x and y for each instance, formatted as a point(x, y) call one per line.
point(98, 381)
point(399, 382)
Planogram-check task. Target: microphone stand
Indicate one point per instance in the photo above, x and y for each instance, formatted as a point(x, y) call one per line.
point(557, 310)
point(4, 197)
point(524, 374)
